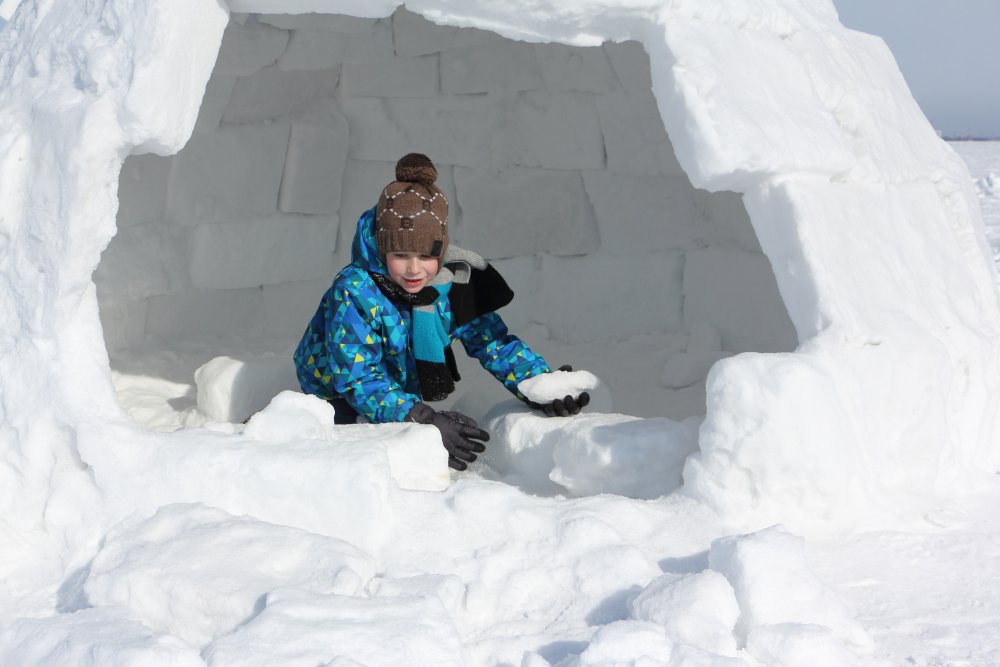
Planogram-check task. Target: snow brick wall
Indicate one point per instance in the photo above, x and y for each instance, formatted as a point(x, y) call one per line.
point(555, 160)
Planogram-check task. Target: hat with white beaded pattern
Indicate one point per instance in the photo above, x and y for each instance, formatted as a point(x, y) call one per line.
point(412, 212)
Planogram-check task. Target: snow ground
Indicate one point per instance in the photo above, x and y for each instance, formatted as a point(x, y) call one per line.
point(528, 576)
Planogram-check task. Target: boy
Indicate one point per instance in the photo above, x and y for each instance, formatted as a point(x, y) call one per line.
point(379, 343)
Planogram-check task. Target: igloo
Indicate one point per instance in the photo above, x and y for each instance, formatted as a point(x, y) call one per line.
point(815, 225)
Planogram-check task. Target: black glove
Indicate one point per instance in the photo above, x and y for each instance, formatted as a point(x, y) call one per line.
point(563, 407)
point(458, 433)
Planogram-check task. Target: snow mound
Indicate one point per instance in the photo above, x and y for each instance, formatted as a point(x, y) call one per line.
point(198, 572)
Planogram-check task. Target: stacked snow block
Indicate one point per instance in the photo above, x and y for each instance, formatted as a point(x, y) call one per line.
point(554, 158)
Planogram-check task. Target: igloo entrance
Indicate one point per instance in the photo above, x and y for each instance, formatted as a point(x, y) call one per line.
point(555, 160)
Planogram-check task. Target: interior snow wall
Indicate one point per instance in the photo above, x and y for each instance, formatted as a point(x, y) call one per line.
point(555, 160)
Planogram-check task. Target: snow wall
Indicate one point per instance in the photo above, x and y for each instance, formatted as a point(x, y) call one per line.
point(867, 218)
point(555, 160)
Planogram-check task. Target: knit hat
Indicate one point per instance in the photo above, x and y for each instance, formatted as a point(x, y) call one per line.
point(412, 213)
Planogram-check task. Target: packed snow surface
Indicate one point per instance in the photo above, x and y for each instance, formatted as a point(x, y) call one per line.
point(834, 505)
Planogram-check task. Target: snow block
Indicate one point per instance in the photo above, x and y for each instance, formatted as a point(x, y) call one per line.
point(143, 260)
point(699, 610)
point(727, 221)
point(202, 312)
point(585, 285)
point(342, 630)
point(354, 25)
point(219, 568)
point(551, 130)
point(284, 310)
point(231, 390)
point(316, 48)
point(414, 35)
point(630, 63)
point(575, 68)
point(450, 129)
point(229, 255)
point(551, 212)
point(213, 104)
point(716, 86)
point(638, 458)
point(92, 638)
point(760, 564)
point(314, 165)
point(398, 77)
point(416, 459)
point(273, 92)
point(502, 66)
point(634, 136)
point(142, 189)
point(249, 47)
point(124, 324)
point(662, 212)
point(735, 291)
point(235, 170)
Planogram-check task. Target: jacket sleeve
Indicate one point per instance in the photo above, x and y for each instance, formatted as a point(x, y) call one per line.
point(504, 355)
point(359, 374)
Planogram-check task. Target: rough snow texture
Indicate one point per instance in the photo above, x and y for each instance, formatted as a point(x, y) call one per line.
point(867, 219)
point(557, 385)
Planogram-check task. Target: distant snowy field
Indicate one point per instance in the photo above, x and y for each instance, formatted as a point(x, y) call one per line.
point(501, 566)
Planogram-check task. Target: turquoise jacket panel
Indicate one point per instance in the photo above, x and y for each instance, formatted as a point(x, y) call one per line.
point(358, 344)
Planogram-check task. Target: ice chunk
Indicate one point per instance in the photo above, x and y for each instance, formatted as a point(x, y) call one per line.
point(198, 572)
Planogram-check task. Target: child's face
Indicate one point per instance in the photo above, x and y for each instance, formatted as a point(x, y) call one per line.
point(411, 270)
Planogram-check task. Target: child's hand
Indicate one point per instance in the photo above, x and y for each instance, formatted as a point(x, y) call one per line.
point(564, 407)
point(459, 434)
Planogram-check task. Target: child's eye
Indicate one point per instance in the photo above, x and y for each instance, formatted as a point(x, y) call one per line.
point(426, 257)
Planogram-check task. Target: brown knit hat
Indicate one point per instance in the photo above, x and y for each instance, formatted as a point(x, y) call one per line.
point(412, 213)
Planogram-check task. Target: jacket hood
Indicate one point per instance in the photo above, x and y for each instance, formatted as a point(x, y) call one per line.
point(364, 250)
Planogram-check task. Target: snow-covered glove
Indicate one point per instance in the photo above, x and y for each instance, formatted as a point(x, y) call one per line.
point(564, 407)
point(459, 433)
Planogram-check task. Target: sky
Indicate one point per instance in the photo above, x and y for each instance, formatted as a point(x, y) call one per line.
point(948, 52)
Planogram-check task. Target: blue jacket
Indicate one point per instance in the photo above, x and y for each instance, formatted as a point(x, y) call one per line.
point(358, 345)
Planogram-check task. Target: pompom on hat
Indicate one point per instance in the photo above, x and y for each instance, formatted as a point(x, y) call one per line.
point(412, 212)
